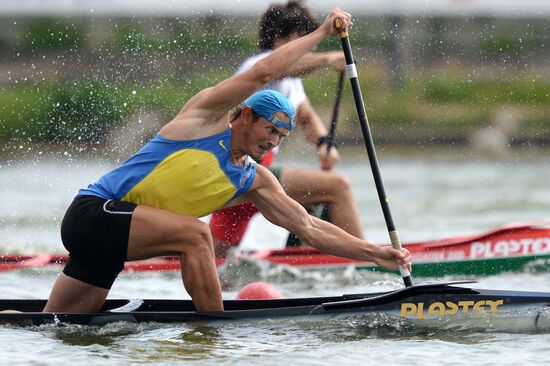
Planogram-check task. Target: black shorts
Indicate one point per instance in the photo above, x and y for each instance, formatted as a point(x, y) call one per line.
point(95, 232)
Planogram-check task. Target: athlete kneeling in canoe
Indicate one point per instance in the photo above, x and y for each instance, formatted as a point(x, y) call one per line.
point(199, 162)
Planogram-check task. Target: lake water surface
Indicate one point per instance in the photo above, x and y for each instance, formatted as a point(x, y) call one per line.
point(433, 195)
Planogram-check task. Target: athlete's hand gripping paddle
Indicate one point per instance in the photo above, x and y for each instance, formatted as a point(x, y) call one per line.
point(357, 96)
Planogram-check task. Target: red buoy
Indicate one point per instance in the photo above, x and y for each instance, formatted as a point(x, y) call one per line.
point(258, 291)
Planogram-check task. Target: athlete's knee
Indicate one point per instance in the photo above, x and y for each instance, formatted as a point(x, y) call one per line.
point(196, 236)
point(344, 183)
point(341, 184)
point(204, 235)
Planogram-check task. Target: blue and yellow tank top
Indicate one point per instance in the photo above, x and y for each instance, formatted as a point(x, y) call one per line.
point(191, 177)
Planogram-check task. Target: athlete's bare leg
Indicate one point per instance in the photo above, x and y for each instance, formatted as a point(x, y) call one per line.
point(311, 187)
point(154, 232)
point(71, 295)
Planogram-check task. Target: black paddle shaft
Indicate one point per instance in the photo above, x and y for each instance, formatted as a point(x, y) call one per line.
point(371, 152)
point(335, 110)
point(325, 215)
point(293, 240)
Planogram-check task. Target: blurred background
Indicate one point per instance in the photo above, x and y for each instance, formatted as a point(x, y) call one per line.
point(88, 74)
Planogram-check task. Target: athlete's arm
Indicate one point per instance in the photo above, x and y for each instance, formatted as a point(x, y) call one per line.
point(270, 198)
point(313, 128)
point(315, 60)
point(209, 106)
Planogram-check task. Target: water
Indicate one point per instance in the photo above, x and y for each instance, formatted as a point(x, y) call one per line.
point(432, 195)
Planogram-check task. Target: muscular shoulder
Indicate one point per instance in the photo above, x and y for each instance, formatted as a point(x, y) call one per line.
point(264, 179)
point(195, 121)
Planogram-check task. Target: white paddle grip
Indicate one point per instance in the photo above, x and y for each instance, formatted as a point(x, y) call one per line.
point(396, 244)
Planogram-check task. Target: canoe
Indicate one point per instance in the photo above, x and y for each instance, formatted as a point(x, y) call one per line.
point(11, 262)
point(517, 247)
point(513, 247)
point(451, 301)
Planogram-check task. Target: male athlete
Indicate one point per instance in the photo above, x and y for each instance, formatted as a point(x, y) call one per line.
point(199, 162)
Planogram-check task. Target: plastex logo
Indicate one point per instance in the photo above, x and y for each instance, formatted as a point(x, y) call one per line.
point(421, 310)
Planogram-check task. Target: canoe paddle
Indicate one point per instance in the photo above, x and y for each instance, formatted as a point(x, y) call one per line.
point(325, 215)
point(351, 70)
point(335, 110)
point(293, 240)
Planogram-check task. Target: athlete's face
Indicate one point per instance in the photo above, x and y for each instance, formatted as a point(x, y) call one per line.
point(264, 136)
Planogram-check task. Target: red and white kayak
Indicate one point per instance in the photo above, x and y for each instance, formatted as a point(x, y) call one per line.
point(513, 247)
point(10, 262)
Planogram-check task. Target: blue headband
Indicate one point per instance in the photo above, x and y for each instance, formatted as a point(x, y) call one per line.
point(266, 103)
